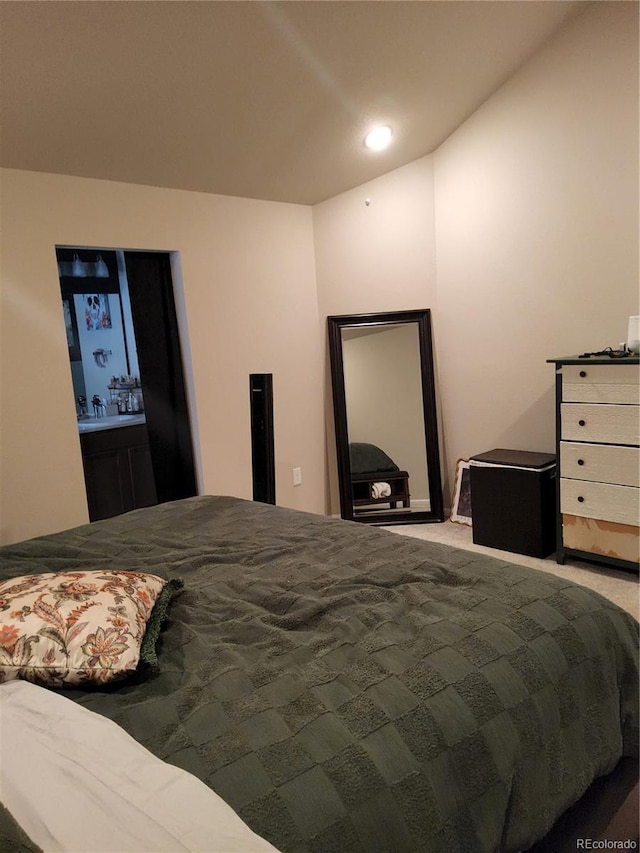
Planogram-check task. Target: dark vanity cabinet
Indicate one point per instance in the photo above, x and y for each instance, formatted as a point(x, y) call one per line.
point(118, 471)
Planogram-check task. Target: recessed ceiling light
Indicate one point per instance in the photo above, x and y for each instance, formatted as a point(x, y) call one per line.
point(378, 138)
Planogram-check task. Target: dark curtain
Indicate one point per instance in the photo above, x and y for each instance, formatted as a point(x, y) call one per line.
point(161, 376)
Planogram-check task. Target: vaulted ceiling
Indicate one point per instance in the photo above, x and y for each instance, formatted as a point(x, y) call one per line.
point(265, 100)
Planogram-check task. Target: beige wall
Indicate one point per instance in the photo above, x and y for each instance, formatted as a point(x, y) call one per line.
point(378, 256)
point(374, 257)
point(250, 304)
point(525, 245)
point(537, 232)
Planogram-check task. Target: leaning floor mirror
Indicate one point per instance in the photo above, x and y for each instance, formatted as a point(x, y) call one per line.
point(385, 417)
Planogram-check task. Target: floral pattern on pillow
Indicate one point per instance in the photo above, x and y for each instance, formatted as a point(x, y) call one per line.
point(74, 627)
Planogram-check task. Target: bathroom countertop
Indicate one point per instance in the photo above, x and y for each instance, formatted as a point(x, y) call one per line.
point(92, 424)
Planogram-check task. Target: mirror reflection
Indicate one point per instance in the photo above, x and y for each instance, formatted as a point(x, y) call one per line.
point(386, 430)
point(383, 394)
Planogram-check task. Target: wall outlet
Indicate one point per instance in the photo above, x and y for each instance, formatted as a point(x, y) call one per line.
point(297, 476)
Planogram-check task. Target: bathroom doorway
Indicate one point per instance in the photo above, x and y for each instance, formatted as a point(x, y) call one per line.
point(129, 388)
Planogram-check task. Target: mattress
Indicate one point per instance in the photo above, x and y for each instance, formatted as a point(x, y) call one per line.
point(343, 688)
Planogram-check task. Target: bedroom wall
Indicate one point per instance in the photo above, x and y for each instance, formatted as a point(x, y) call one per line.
point(250, 304)
point(527, 219)
point(537, 232)
point(374, 257)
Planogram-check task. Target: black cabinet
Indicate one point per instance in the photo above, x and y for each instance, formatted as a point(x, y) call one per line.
point(118, 471)
point(513, 498)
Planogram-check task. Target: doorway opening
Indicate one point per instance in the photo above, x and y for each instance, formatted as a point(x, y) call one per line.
point(128, 379)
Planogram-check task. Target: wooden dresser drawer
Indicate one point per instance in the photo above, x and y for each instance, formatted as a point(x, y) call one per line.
point(621, 541)
point(600, 500)
point(598, 383)
point(604, 463)
point(612, 424)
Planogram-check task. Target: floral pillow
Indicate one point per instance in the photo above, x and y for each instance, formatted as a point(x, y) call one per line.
point(76, 627)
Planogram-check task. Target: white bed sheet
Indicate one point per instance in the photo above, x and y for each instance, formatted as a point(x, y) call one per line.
point(78, 783)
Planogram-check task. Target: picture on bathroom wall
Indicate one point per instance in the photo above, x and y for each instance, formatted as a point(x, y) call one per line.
point(72, 331)
point(96, 311)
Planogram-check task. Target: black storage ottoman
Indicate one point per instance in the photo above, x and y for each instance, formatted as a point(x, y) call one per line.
point(513, 501)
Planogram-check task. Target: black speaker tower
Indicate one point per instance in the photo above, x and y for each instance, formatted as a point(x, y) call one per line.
point(262, 444)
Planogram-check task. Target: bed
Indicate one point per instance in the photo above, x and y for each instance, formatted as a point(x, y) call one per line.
point(343, 688)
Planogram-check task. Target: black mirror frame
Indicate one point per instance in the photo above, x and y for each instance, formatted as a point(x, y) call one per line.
point(423, 319)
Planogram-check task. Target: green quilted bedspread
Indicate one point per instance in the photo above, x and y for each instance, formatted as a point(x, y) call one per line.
point(348, 689)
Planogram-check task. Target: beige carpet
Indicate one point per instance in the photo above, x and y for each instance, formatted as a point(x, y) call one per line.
point(619, 587)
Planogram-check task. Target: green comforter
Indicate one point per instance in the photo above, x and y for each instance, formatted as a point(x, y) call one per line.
point(347, 689)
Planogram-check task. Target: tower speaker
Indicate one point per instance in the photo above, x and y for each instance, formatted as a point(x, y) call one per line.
point(262, 443)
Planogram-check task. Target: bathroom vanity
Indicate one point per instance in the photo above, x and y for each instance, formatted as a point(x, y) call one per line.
point(117, 465)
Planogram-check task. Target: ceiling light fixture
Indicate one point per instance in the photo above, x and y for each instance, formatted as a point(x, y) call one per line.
point(378, 138)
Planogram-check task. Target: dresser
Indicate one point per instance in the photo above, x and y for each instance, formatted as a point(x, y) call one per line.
point(598, 448)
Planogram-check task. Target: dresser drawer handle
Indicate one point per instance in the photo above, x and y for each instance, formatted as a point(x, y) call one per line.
point(582, 423)
point(580, 499)
point(583, 373)
point(580, 461)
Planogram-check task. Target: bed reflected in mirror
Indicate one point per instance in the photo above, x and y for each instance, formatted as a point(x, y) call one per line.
point(385, 417)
